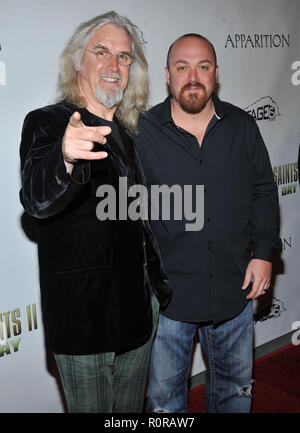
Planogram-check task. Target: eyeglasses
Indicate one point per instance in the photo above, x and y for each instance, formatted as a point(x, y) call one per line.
point(105, 56)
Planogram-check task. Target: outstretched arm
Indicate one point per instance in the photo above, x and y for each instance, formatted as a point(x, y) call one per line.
point(55, 152)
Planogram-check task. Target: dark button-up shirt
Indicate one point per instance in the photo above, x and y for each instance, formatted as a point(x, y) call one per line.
point(207, 267)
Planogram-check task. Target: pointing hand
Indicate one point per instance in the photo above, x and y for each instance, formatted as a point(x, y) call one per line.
point(78, 140)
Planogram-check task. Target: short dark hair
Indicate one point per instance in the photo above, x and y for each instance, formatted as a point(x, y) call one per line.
point(193, 35)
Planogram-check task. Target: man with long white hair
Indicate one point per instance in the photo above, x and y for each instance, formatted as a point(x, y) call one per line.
point(100, 278)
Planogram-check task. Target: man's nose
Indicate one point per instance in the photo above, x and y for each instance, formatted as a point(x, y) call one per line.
point(113, 63)
point(193, 75)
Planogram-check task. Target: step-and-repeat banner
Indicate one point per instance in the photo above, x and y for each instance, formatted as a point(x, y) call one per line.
point(258, 48)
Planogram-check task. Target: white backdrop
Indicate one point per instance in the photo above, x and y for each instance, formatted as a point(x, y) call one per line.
point(258, 48)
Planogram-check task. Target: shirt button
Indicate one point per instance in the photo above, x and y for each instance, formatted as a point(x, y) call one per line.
point(210, 276)
point(145, 264)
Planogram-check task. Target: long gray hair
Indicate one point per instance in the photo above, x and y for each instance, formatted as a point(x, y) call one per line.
point(136, 92)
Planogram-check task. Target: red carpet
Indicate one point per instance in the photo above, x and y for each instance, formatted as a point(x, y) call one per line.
point(276, 387)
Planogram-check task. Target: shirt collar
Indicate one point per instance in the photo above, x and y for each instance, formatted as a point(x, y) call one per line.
point(165, 113)
point(219, 107)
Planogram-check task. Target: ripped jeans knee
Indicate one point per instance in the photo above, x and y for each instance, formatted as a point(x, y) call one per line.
point(160, 410)
point(245, 390)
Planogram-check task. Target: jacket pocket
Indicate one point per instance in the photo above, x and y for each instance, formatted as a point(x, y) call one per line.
point(94, 268)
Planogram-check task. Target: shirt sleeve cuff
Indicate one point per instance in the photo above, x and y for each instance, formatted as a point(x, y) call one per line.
point(264, 251)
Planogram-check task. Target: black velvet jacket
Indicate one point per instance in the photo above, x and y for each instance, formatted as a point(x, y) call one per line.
point(94, 291)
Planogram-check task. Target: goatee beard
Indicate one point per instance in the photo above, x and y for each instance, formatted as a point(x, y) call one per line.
point(109, 98)
point(192, 103)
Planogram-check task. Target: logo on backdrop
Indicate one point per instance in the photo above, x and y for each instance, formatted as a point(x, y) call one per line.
point(270, 311)
point(287, 243)
point(242, 40)
point(2, 71)
point(286, 177)
point(11, 328)
point(264, 108)
point(295, 78)
point(296, 335)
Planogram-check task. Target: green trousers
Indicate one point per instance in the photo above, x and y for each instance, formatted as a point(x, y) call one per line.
point(107, 382)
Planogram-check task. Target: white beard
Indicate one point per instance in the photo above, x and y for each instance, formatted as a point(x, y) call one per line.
point(111, 98)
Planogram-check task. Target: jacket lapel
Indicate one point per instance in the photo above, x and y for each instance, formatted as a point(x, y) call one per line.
point(130, 157)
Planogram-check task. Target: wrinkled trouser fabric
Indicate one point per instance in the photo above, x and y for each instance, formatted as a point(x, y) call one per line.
point(107, 382)
point(228, 350)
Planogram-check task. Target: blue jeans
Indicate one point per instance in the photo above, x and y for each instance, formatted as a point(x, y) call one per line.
point(228, 349)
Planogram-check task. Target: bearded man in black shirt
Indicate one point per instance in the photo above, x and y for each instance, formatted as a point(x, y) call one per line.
point(193, 138)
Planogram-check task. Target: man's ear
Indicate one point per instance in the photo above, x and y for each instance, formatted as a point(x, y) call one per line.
point(167, 75)
point(217, 72)
point(77, 62)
